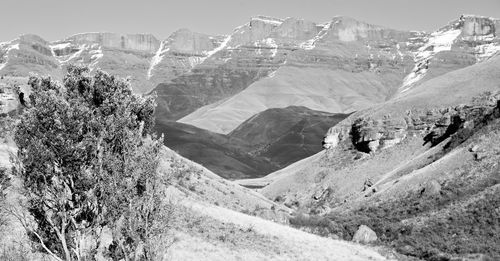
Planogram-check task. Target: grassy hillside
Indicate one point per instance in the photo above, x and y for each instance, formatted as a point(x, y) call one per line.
point(453, 212)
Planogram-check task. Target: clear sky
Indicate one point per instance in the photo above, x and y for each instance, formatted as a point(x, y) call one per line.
point(57, 19)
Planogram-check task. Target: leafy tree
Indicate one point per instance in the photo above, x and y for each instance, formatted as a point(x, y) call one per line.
point(88, 161)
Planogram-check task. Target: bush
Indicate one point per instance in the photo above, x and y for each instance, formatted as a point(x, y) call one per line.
point(4, 183)
point(87, 161)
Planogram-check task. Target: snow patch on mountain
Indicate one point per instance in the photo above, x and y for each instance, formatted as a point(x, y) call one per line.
point(220, 47)
point(486, 51)
point(10, 46)
point(267, 43)
point(271, 43)
point(398, 48)
point(157, 58)
point(70, 57)
point(96, 55)
point(94, 50)
point(438, 42)
point(60, 46)
point(311, 43)
point(193, 61)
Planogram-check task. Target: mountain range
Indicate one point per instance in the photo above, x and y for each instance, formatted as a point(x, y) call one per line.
point(211, 86)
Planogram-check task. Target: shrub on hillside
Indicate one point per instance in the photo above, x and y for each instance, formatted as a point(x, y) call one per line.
point(87, 161)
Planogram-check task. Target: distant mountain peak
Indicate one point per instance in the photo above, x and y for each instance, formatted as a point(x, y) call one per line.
point(473, 24)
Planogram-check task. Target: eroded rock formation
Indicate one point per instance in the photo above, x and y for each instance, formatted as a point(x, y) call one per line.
point(434, 125)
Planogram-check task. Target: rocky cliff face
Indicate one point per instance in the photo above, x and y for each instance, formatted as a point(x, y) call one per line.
point(371, 135)
point(432, 108)
point(245, 56)
point(125, 55)
point(180, 53)
point(135, 42)
point(139, 56)
point(341, 66)
point(202, 70)
point(28, 53)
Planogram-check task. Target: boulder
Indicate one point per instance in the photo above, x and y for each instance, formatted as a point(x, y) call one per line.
point(330, 140)
point(431, 188)
point(365, 235)
point(474, 148)
point(480, 156)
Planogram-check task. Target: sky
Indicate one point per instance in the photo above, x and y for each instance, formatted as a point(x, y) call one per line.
point(57, 19)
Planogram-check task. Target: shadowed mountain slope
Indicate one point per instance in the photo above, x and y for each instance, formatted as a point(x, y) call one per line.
point(269, 141)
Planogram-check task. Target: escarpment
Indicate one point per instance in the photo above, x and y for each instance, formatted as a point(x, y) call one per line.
point(368, 135)
point(137, 42)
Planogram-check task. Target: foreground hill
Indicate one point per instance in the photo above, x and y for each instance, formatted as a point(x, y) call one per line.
point(204, 222)
point(207, 222)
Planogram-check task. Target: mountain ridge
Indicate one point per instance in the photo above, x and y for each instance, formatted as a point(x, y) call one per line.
point(216, 83)
point(385, 57)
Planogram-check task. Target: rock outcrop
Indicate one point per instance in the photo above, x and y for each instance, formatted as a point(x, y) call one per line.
point(431, 188)
point(435, 125)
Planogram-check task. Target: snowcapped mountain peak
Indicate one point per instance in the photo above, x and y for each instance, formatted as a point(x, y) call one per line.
point(473, 34)
point(473, 25)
